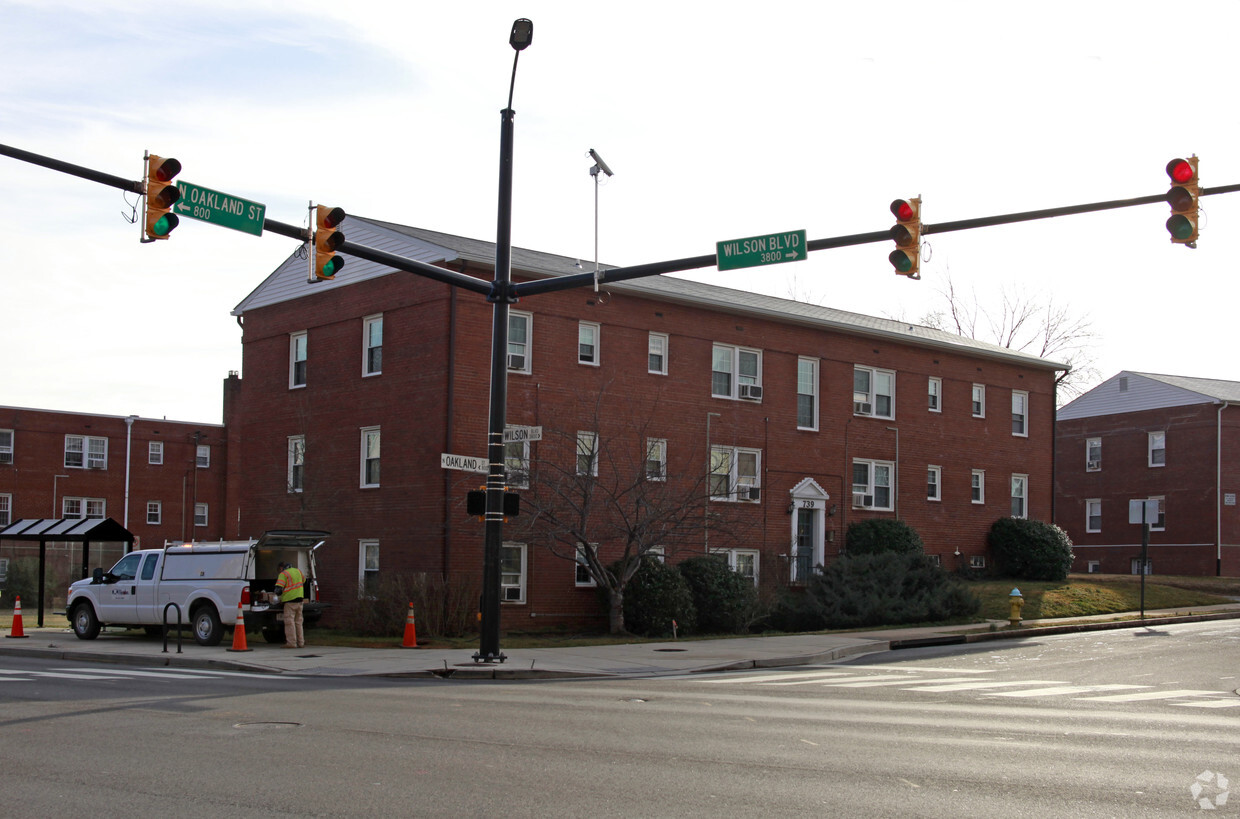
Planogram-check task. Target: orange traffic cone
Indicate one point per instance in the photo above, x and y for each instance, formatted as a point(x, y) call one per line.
point(17, 630)
point(239, 632)
point(411, 631)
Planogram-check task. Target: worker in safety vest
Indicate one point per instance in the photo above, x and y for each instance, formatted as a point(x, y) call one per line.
point(290, 585)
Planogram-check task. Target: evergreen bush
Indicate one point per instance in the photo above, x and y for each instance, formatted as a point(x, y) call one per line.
point(868, 537)
point(1030, 549)
point(724, 600)
point(655, 596)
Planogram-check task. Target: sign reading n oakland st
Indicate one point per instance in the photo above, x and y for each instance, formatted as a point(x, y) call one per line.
point(221, 209)
point(756, 251)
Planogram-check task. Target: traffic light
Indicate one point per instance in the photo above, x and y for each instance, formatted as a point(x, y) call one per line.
point(325, 264)
point(906, 233)
point(476, 503)
point(1185, 189)
point(161, 195)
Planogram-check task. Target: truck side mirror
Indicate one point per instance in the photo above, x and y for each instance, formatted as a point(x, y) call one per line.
point(96, 577)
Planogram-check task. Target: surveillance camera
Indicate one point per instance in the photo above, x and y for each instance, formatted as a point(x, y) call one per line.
point(601, 164)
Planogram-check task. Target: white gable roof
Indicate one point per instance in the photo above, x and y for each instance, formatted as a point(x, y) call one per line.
point(1135, 392)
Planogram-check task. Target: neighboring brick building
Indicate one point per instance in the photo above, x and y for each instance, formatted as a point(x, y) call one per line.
point(161, 480)
point(810, 418)
point(1139, 436)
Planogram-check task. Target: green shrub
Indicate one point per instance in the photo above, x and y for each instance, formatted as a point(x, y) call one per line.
point(725, 601)
point(1030, 549)
point(868, 537)
point(655, 596)
point(889, 588)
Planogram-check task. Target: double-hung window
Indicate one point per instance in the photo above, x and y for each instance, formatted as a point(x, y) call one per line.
point(934, 483)
point(200, 514)
point(871, 484)
point(6, 446)
point(736, 372)
point(154, 512)
point(86, 451)
point(297, 354)
point(296, 463)
point(978, 485)
point(1093, 515)
point(1020, 413)
point(656, 459)
point(370, 457)
point(1093, 454)
point(979, 400)
point(934, 394)
point(6, 509)
point(372, 345)
point(1157, 449)
point(368, 567)
point(734, 474)
point(517, 464)
point(520, 329)
point(874, 392)
point(587, 453)
point(155, 452)
point(587, 343)
point(1020, 496)
point(656, 357)
point(512, 572)
point(807, 393)
point(1159, 523)
point(202, 456)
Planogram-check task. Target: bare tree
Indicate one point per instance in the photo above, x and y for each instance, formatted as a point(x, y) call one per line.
point(609, 496)
point(1037, 325)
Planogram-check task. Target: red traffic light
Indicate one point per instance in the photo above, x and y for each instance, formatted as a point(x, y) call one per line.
point(1182, 197)
point(1180, 171)
point(906, 233)
point(902, 210)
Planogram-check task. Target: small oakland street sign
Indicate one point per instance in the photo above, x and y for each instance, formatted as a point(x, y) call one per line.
point(773, 248)
point(221, 209)
point(464, 463)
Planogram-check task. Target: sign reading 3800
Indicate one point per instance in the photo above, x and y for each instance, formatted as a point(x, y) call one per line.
point(756, 251)
point(221, 209)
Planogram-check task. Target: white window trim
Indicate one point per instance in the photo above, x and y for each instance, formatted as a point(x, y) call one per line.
point(1151, 449)
point(980, 474)
point(206, 513)
point(1024, 396)
point(202, 456)
point(580, 565)
point(367, 323)
point(1089, 504)
point(656, 450)
point(977, 403)
point(293, 441)
point(293, 338)
point(6, 508)
point(735, 371)
point(362, 546)
point(937, 471)
point(6, 448)
point(524, 575)
point(158, 508)
point(732, 554)
point(1094, 465)
point(517, 468)
point(365, 432)
point(741, 488)
point(590, 441)
point(597, 330)
point(813, 393)
point(871, 397)
point(1023, 498)
point(1162, 509)
point(871, 485)
point(90, 459)
point(934, 389)
point(662, 338)
point(527, 351)
point(155, 452)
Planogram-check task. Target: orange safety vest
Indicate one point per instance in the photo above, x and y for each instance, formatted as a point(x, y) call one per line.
point(291, 581)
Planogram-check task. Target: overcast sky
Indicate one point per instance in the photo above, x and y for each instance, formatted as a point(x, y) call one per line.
point(720, 120)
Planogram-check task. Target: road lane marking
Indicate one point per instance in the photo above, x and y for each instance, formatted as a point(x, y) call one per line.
point(880, 683)
point(1064, 689)
point(979, 685)
point(1152, 695)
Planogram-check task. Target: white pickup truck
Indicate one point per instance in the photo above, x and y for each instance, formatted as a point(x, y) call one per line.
point(205, 581)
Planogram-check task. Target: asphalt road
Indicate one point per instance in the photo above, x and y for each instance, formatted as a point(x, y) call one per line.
point(1117, 723)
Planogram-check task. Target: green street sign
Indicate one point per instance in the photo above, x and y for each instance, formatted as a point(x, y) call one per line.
point(773, 248)
point(221, 209)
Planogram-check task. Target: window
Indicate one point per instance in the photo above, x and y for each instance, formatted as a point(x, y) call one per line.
point(517, 464)
point(6, 509)
point(372, 345)
point(519, 329)
point(200, 514)
point(1020, 413)
point(202, 457)
point(1093, 566)
point(807, 393)
point(1159, 523)
point(6, 446)
point(86, 451)
point(367, 568)
point(934, 394)
point(148, 566)
point(154, 512)
point(587, 453)
point(934, 483)
point(582, 576)
point(512, 573)
point(734, 474)
point(979, 400)
point(155, 452)
point(587, 343)
point(656, 359)
point(90, 508)
point(296, 463)
point(1093, 454)
point(742, 561)
point(874, 392)
point(1158, 448)
point(656, 459)
point(735, 372)
point(370, 456)
point(297, 360)
point(871, 484)
point(978, 480)
point(1093, 515)
point(977, 561)
point(1020, 496)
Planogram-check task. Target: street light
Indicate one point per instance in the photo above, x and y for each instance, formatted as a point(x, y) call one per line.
point(501, 297)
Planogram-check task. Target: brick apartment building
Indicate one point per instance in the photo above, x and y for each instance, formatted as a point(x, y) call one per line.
point(1145, 436)
point(802, 418)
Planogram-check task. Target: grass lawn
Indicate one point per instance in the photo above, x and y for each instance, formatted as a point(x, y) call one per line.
point(1085, 595)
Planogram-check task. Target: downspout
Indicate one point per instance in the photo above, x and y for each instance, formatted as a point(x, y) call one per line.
point(128, 459)
point(446, 556)
point(1218, 491)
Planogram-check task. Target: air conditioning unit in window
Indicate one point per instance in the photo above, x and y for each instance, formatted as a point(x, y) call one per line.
point(753, 493)
point(862, 408)
point(1093, 464)
point(6, 457)
point(516, 362)
point(863, 500)
point(751, 392)
point(512, 594)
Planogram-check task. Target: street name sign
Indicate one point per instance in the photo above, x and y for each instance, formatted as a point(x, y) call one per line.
point(773, 248)
point(221, 209)
point(513, 435)
point(464, 463)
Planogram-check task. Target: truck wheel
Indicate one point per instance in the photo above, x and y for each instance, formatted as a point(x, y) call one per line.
point(273, 634)
point(85, 623)
point(207, 628)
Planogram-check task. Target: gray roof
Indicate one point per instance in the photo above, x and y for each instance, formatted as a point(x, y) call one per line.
point(1129, 391)
point(289, 281)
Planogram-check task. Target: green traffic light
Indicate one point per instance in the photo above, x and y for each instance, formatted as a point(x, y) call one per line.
point(165, 224)
point(900, 261)
point(331, 267)
point(1180, 227)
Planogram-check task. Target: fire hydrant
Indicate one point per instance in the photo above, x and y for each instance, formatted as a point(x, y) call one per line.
point(1017, 602)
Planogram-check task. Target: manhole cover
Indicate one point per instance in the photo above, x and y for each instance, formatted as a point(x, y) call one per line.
point(267, 725)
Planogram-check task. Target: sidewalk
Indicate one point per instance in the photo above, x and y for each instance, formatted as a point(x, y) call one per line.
point(629, 660)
